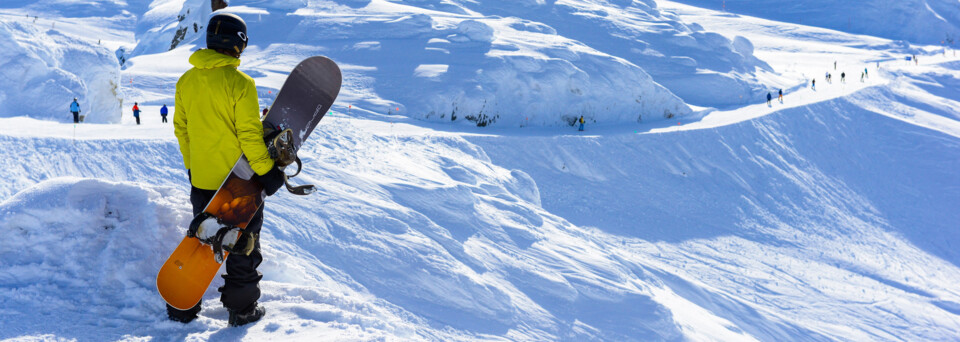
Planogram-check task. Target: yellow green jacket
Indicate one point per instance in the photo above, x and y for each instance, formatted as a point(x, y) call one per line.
point(216, 118)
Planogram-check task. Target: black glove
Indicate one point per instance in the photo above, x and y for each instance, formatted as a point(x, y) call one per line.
point(272, 181)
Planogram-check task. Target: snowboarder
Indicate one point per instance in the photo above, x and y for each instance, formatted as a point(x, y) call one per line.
point(769, 98)
point(813, 84)
point(163, 113)
point(75, 109)
point(843, 77)
point(214, 128)
point(581, 123)
point(136, 112)
point(780, 95)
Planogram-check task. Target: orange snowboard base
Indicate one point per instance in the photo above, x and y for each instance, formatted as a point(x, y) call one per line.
point(187, 273)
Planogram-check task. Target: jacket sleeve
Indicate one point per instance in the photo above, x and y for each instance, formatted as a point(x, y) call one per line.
point(250, 129)
point(180, 128)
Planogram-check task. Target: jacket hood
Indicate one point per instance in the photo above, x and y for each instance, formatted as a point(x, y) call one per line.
point(209, 59)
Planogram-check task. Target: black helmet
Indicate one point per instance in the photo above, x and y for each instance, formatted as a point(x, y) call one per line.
point(227, 31)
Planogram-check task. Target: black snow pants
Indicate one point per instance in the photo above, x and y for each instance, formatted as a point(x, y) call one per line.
point(241, 283)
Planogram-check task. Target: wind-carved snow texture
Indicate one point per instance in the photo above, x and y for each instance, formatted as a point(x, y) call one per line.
point(51, 67)
point(917, 21)
point(827, 217)
point(503, 64)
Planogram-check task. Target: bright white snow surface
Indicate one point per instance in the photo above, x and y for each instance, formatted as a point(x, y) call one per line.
point(829, 216)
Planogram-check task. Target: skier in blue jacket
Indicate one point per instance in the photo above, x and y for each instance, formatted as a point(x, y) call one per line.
point(75, 109)
point(163, 113)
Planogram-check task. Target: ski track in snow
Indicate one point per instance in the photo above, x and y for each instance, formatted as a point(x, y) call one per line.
point(827, 217)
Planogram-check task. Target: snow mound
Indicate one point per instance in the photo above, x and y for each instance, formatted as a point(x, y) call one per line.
point(83, 246)
point(702, 68)
point(51, 68)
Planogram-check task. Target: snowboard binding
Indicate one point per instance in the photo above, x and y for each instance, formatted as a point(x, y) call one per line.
point(211, 231)
point(281, 148)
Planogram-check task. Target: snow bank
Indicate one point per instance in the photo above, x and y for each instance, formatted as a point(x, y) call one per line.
point(702, 68)
point(50, 68)
point(442, 67)
point(86, 249)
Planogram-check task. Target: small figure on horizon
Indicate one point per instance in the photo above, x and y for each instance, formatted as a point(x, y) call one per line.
point(813, 84)
point(136, 112)
point(75, 109)
point(769, 98)
point(861, 77)
point(581, 123)
point(163, 113)
point(780, 95)
point(843, 77)
point(834, 65)
point(866, 73)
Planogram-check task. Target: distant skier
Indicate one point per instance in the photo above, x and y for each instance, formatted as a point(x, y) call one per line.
point(843, 77)
point(866, 73)
point(769, 98)
point(861, 77)
point(813, 84)
point(834, 65)
point(215, 123)
point(136, 112)
point(780, 95)
point(163, 113)
point(75, 109)
point(581, 123)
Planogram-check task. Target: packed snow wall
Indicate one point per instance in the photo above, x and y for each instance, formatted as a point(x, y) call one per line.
point(43, 69)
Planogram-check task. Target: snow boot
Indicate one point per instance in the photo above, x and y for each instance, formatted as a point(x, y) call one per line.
point(253, 314)
point(183, 316)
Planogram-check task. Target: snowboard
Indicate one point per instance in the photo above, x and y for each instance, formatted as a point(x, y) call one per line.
point(306, 95)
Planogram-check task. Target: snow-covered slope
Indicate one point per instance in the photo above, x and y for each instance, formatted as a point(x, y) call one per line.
point(502, 63)
point(917, 21)
point(828, 216)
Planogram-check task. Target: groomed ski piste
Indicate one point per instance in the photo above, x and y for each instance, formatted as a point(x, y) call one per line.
point(830, 216)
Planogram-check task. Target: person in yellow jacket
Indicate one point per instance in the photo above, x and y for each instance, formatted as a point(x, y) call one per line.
point(216, 119)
